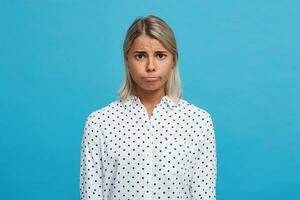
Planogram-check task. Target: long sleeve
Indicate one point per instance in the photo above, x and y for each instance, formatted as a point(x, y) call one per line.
point(91, 163)
point(204, 168)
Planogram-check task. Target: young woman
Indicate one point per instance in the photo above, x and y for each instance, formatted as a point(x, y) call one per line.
point(150, 143)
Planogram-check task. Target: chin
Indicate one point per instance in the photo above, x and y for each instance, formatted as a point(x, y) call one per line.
point(152, 87)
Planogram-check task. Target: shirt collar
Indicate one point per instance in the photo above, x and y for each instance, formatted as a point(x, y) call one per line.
point(165, 100)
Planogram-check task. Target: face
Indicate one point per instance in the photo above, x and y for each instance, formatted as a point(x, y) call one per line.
point(149, 64)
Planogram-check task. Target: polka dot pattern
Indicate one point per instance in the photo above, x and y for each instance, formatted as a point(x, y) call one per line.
point(125, 155)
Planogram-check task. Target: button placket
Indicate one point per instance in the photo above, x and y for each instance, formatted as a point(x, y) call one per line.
point(149, 153)
point(151, 128)
point(150, 124)
point(149, 166)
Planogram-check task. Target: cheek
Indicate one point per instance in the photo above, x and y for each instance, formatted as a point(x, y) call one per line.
point(167, 67)
point(168, 63)
point(135, 65)
point(135, 71)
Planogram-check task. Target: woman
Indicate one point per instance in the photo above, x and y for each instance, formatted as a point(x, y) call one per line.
point(150, 143)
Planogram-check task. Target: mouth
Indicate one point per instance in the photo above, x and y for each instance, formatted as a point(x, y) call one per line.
point(150, 78)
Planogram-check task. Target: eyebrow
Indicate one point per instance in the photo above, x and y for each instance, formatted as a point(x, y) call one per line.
point(145, 51)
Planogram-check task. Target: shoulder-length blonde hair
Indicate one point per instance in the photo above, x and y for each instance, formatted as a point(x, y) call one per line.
point(157, 28)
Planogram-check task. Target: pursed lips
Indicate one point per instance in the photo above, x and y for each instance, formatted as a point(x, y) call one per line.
point(151, 78)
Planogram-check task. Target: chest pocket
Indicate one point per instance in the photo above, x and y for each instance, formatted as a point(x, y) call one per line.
point(175, 157)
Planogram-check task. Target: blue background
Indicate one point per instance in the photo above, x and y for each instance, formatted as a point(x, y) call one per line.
point(61, 60)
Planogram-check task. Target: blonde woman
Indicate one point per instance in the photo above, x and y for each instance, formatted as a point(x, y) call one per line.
point(149, 143)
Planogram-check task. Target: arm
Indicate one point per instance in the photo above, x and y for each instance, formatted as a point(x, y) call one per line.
point(90, 163)
point(204, 168)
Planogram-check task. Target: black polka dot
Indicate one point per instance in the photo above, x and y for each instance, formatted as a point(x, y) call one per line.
point(125, 155)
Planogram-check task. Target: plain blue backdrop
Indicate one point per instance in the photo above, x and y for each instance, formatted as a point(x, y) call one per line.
point(61, 60)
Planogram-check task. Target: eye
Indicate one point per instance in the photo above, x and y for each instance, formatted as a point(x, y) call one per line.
point(139, 56)
point(161, 55)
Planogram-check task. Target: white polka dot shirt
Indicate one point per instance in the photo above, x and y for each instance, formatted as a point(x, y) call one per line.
point(127, 156)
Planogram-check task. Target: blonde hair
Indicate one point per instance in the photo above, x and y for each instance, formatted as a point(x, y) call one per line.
point(157, 28)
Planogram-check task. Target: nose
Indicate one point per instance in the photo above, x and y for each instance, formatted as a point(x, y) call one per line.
point(151, 63)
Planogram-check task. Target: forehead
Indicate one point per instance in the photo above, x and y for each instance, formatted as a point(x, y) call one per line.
point(147, 43)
